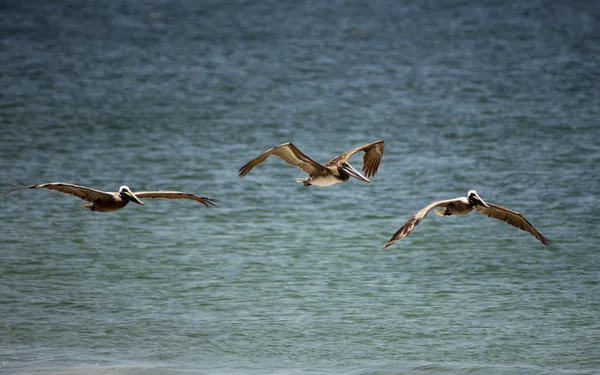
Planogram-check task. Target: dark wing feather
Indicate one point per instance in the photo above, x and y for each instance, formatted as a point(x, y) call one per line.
point(288, 153)
point(415, 219)
point(373, 154)
point(175, 195)
point(515, 219)
point(83, 192)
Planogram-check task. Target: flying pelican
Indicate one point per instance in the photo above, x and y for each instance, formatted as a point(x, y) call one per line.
point(105, 202)
point(335, 170)
point(464, 205)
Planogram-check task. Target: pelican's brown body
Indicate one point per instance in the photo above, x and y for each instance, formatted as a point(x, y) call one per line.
point(110, 203)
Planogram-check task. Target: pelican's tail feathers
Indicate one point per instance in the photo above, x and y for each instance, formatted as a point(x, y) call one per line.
point(303, 181)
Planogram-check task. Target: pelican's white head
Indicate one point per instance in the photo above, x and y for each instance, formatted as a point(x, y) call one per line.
point(475, 199)
point(127, 194)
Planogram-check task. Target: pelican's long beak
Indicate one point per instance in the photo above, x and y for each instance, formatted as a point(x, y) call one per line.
point(353, 172)
point(479, 200)
point(132, 197)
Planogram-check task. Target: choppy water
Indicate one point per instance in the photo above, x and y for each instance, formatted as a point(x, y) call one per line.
point(281, 278)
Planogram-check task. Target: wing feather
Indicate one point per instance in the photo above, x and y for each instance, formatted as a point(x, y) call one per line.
point(288, 153)
point(415, 219)
point(515, 219)
point(83, 192)
point(175, 195)
point(373, 154)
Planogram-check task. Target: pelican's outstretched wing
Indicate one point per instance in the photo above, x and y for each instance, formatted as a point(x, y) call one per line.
point(83, 192)
point(415, 219)
point(516, 220)
point(176, 195)
point(288, 153)
point(373, 153)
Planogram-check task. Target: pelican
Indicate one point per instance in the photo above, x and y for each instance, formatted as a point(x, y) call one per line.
point(103, 201)
point(464, 205)
point(335, 170)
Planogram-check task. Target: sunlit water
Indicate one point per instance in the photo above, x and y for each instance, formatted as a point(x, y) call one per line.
point(281, 278)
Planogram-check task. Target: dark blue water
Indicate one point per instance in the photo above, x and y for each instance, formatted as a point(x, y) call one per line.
point(280, 278)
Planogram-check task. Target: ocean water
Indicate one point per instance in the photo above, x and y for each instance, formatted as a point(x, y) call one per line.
point(280, 278)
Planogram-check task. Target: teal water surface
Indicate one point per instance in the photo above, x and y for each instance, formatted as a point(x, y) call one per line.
point(281, 278)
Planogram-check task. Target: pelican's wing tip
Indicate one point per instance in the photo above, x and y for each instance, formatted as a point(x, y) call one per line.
point(551, 246)
point(17, 188)
point(208, 202)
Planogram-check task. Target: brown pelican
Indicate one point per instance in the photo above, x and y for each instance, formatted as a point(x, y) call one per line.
point(464, 205)
point(105, 202)
point(335, 170)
